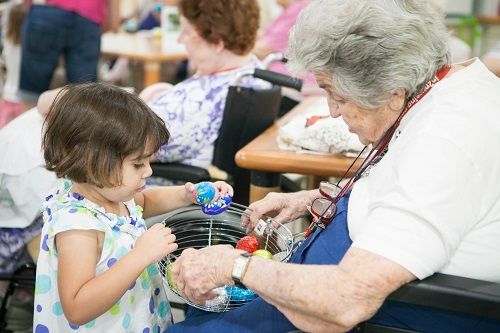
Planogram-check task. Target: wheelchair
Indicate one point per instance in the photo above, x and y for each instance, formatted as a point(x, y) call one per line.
point(464, 297)
point(22, 278)
point(247, 113)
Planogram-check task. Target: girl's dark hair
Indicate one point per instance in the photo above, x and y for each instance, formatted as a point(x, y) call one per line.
point(234, 22)
point(14, 23)
point(92, 127)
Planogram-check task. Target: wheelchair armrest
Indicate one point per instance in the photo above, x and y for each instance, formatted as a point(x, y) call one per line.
point(453, 293)
point(181, 172)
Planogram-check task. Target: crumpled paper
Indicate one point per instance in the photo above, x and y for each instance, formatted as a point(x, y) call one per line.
point(325, 136)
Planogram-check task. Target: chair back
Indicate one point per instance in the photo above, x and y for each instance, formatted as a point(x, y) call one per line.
point(247, 113)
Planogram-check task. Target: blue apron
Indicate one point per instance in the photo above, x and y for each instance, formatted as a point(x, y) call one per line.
point(327, 247)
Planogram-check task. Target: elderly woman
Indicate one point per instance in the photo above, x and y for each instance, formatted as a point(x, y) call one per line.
point(429, 205)
point(219, 37)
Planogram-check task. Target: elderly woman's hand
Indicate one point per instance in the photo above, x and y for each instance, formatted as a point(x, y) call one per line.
point(289, 206)
point(197, 272)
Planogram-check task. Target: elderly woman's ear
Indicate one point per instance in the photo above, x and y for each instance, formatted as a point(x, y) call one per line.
point(398, 100)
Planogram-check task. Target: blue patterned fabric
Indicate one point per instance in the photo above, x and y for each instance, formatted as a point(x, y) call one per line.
point(193, 110)
point(13, 245)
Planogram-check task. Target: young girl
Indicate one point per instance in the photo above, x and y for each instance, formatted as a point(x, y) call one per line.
point(11, 105)
point(97, 265)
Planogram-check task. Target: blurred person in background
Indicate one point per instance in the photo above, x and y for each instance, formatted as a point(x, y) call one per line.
point(68, 28)
point(12, 105)
point(273, 39)
point(219, 36)
point(460, 50)
point(492, 60)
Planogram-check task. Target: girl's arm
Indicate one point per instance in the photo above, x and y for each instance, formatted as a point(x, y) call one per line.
point(85, 296)
point(163, 199)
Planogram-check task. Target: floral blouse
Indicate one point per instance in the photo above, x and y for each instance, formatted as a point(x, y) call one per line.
point(144, 306)
point(193, 110)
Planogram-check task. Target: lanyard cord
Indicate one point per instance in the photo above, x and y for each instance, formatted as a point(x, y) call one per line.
point(381, 145)
point(377, 150)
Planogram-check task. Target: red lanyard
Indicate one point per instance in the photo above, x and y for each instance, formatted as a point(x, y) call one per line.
point(379, 148)
point(375, 151)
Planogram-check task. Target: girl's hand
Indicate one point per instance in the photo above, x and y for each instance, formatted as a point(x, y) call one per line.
point(156, 243)
point(221, 189)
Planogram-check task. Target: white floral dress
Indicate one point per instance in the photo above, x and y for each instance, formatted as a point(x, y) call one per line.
point(143, 308)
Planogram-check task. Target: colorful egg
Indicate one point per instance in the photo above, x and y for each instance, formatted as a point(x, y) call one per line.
point(205, 192)
point(169, 277)
point(248, 243)
point(263, 253)
point(218, 207)
point(219, 302)
point(238, 294)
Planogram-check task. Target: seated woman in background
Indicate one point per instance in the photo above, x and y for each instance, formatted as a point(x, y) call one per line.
point(24, 183)
point(219, 37)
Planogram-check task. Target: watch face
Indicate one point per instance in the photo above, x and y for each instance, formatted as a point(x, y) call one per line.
point(239, 267)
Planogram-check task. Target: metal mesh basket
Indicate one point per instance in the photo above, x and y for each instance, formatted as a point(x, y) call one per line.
point(194, 229)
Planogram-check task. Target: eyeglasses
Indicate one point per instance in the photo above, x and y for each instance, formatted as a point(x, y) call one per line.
point(323, 209)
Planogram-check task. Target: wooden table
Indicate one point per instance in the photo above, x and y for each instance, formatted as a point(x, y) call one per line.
point(145, 48)
point(266, 161)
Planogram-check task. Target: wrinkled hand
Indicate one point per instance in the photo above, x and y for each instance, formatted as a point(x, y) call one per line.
point(197, 272)
point(221, 189)
point(156, 243)
point(289, 206)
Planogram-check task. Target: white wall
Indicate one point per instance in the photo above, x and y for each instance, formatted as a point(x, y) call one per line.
point(459, 7)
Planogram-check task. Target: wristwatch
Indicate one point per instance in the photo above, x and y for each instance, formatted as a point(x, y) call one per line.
point(240, 268)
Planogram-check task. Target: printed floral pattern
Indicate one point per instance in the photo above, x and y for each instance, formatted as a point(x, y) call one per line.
point(13, 245)
point(193, 111)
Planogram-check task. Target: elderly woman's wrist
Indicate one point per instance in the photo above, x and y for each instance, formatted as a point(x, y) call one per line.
point(230, 258)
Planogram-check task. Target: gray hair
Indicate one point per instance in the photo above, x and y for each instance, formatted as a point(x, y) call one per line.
point(372, 48)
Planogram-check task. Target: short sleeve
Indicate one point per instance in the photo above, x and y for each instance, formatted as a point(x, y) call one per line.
point(420, 211)
point(72, 218)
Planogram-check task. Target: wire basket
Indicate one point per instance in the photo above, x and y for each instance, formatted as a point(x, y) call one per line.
point(194, 229)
